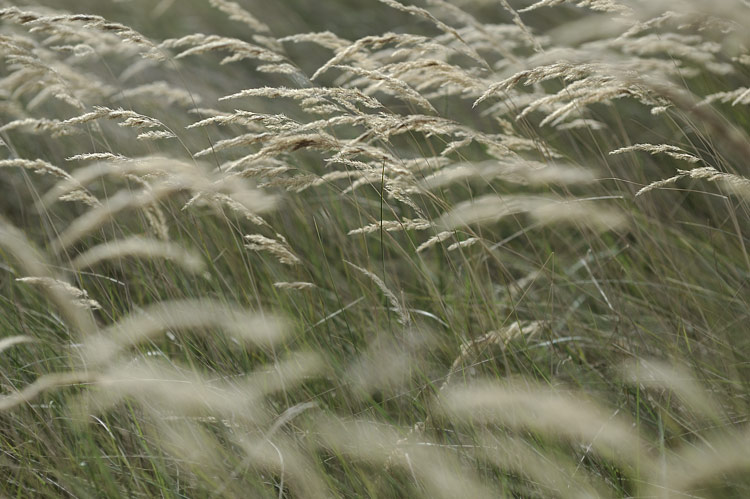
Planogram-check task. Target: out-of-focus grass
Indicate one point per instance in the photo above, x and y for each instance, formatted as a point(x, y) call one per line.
point(549, 358)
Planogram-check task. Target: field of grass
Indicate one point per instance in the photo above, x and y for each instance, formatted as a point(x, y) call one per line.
point(374, 248)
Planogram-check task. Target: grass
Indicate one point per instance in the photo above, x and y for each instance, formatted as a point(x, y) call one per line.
point(381, 249)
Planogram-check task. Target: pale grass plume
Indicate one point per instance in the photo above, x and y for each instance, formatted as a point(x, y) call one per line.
point(147, 200)
point(162, 387)
point(166, 387)
point(193, 440)
point(582, 123)
point(326, 39)
point(162, 92)
point(393, 226)
point(127, 118)
point(111, 165)
point(247, 119)
point(43, 384)
point(294, 285)
point(466, 243)
point(155, 172)
point(348, 98)
point(417, 11)
point(523, 405)
point(10, 341)
point(139, 247)
point(554, 474)
point(585, 213)
point(156, 135)
point(515, 170)
point(387, 364)
point(678, 379)
point(240, 49)
point(40, 126)
point(96, 217)
point(694, 466)
point(358, 50)
point(436, 239)
point(283, 456)
point(522, 26)
point(76, 192)
point(434, 470)
point(735, 183)
point(395, 86)
point(237, 13)
point(198, 314)
point(671, 151)
point(735, 97)
point(545, 209)
point(283, 143)
point(98, 156)
point(36, 165)
point(79, 297)
point(237, 206)
point(278, 247)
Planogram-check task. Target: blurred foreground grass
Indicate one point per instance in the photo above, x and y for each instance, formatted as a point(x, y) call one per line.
point(430, 270)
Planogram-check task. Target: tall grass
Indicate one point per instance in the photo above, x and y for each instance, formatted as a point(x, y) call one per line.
point(391, 249)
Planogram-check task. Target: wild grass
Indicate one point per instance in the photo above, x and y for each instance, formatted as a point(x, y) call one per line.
point(389, 249)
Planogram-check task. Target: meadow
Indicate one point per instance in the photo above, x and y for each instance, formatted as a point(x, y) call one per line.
point(374, 248)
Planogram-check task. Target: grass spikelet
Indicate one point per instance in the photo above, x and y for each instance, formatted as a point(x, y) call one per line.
point(129, 118)
point(399, 88)
point(97, 156)
point(296, 285)
point(39, 125)
point(417, 11)
point(35, 165)
point(671, 151)
point(156, 135)
point(500, 338)
point(392, 226)
point(240, 49)
point(403, 316)
point(436, 239)
point(521, 25)
point(325, 39)
point(277, 247)
point(735, 183)
point(470, 241)
point(237, 13)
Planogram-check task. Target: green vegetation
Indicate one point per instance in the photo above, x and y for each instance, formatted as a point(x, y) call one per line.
point(374, 249)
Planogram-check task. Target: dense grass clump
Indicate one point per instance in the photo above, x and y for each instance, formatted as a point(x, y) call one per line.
point(391, 249)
